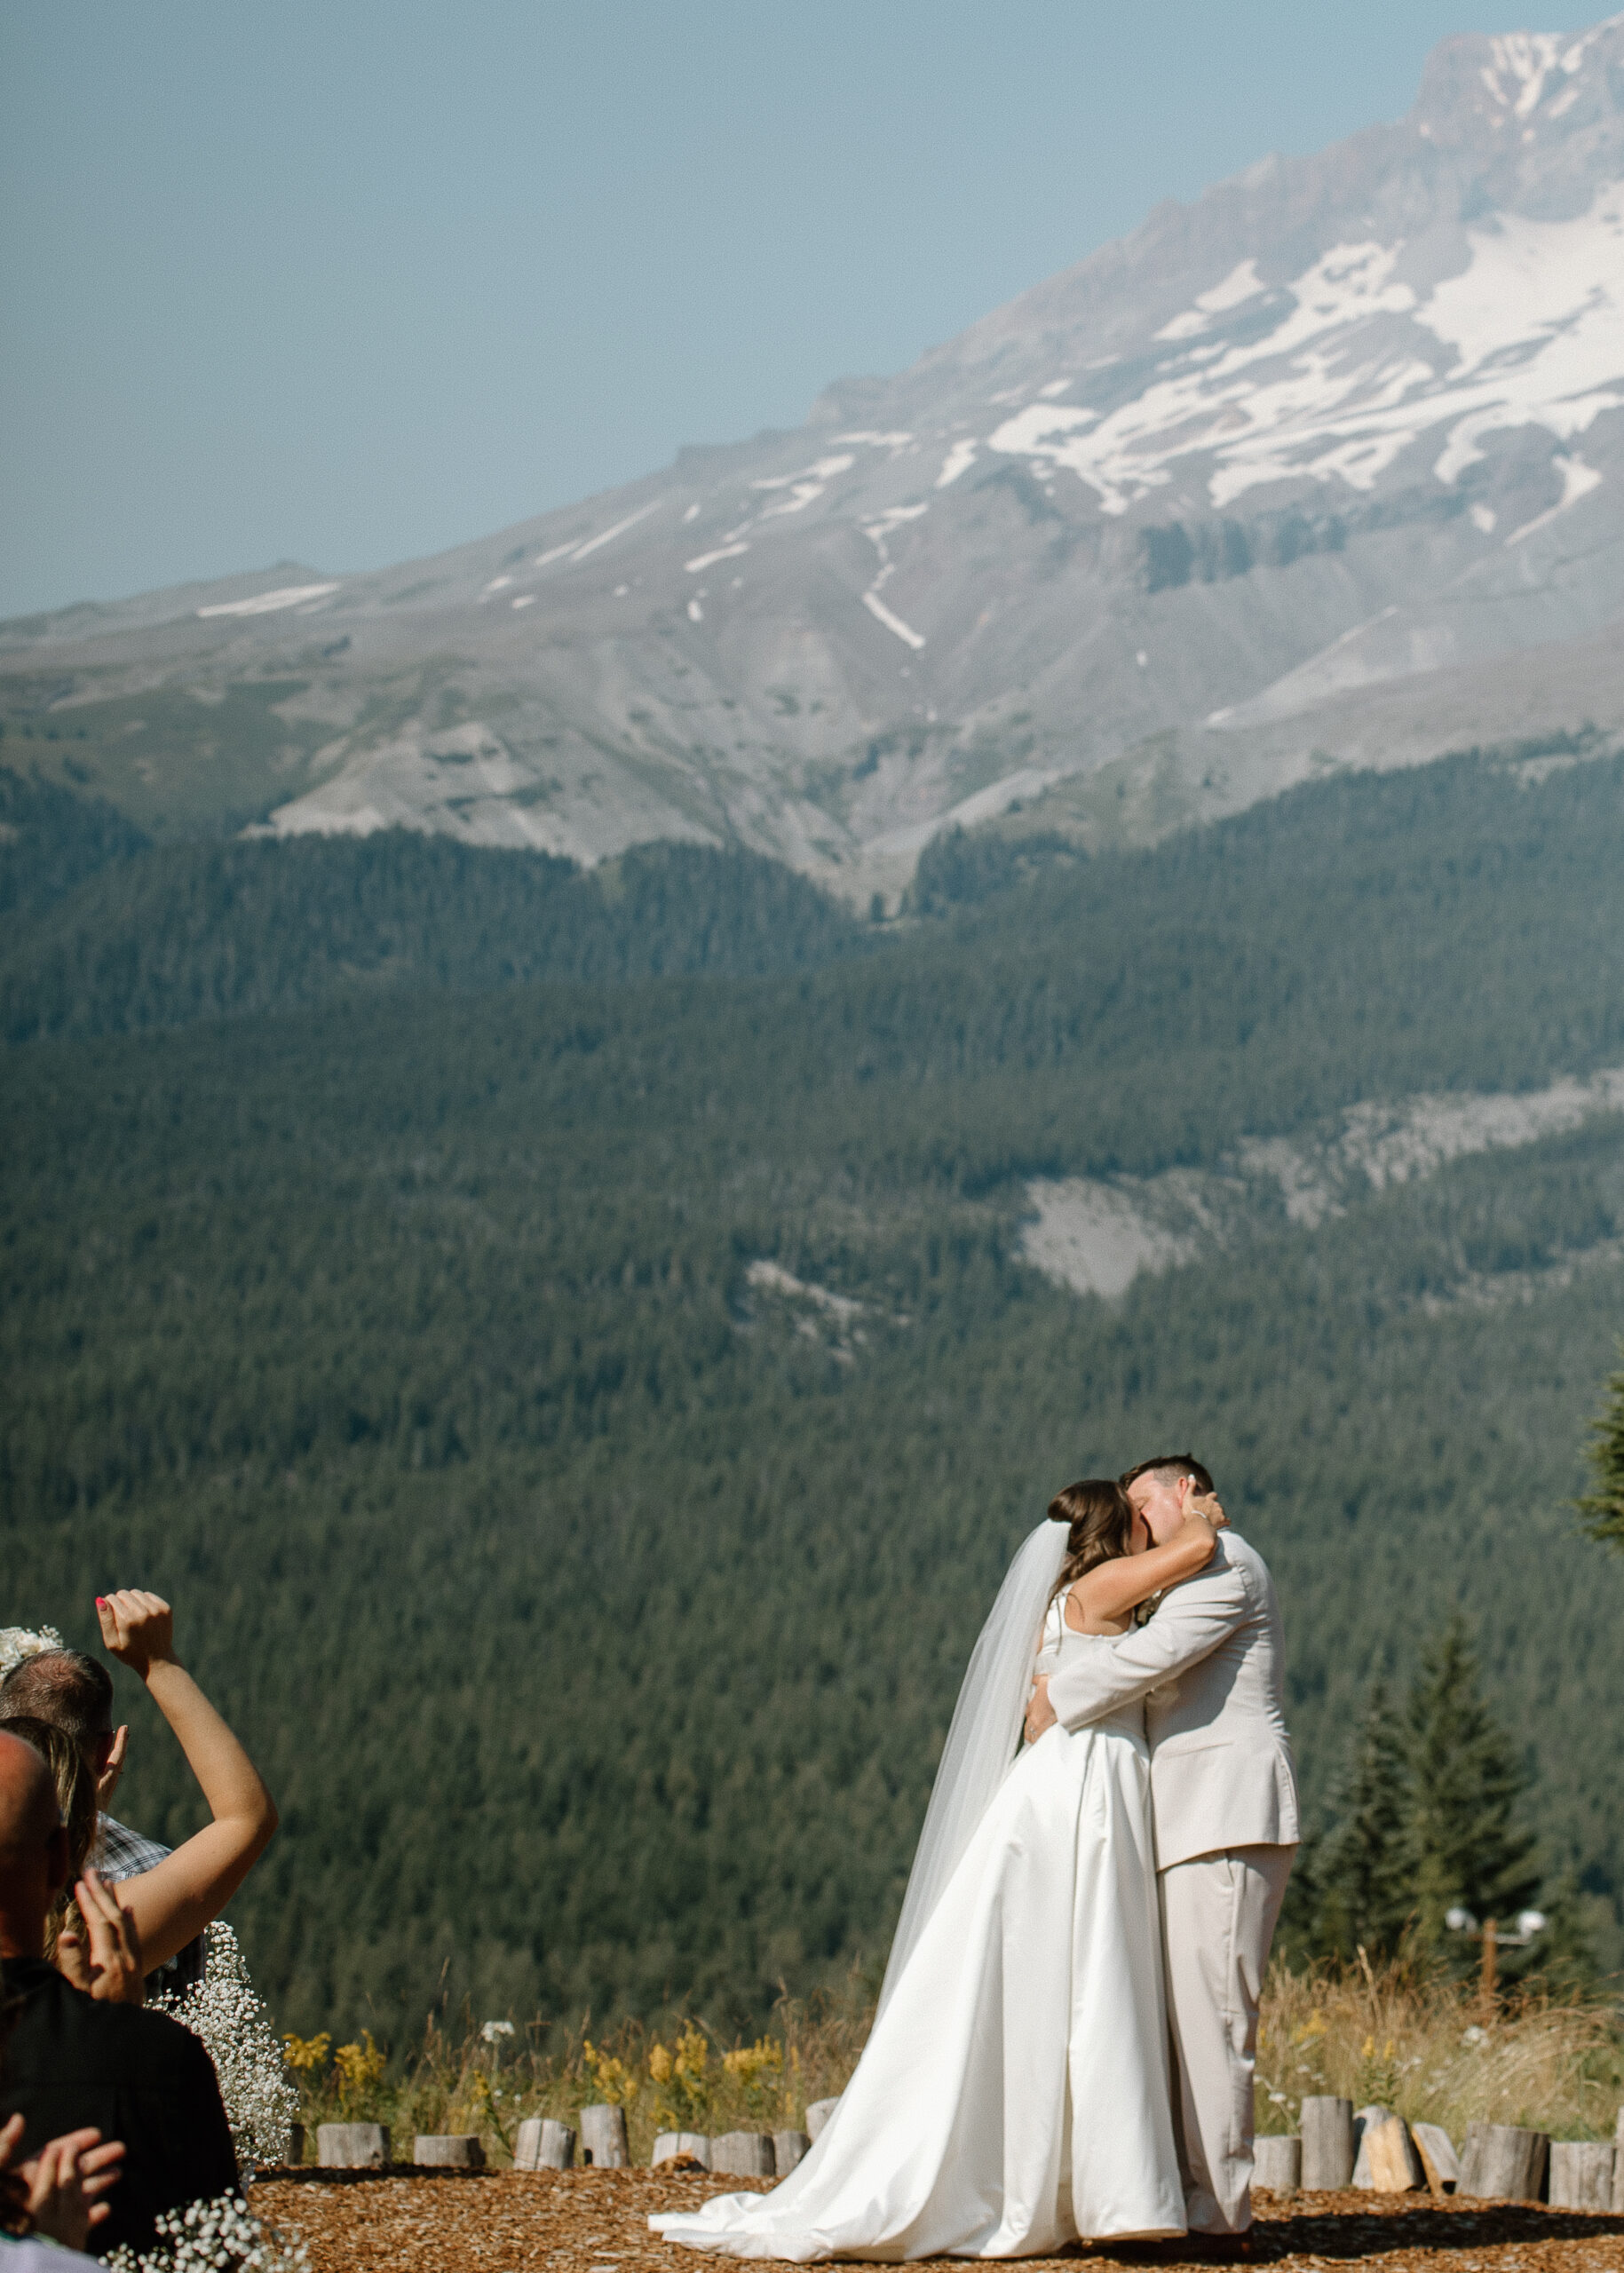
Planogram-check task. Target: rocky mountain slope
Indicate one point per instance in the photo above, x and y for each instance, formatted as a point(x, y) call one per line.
point(1324, 468)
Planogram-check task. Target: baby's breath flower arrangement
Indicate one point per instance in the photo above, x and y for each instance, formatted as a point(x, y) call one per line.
point(260, 2101)
point(219, 2237)
point(19, 1641)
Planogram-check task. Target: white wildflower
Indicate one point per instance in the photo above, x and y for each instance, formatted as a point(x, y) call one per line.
point(218, 2236)
point(492, 2030)
point(19, 1641)
point(261, 2102)
point(1476, 2036)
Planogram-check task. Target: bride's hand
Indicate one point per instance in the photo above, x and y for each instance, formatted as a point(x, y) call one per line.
point(1040, 1711)
point(1210, 1508)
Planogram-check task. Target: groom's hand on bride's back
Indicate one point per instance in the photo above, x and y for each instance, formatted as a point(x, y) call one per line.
point(1040, 1711)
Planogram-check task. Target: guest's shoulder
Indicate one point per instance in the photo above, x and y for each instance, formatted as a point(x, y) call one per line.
point(160, 2045)
point(166, 2046)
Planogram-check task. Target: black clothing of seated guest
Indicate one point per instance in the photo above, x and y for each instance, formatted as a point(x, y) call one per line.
point(137, 2075)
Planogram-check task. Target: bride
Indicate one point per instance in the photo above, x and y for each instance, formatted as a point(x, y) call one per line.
point(1013, 2095)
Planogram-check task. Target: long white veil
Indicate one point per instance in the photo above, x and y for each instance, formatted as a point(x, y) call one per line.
point(982, 1740)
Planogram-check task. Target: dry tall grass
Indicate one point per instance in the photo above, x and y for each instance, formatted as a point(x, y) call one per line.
point(1433, 2051)
point(1387, 2036)
point(683, 2078)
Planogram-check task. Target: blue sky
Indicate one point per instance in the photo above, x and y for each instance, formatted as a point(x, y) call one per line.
point(349, 281)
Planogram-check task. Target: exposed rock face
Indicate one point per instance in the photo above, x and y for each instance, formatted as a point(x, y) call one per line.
point(1325, 467)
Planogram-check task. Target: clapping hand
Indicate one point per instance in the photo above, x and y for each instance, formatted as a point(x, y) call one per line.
point(66, 2181)
point(138, 1628)
point(105, 1959)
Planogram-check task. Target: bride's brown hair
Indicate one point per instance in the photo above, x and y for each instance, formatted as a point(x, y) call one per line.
point(1099, 1516)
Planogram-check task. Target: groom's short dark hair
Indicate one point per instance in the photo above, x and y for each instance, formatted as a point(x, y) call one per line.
point(1173, 1464)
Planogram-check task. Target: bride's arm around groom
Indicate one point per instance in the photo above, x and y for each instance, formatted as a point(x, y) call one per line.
point(1208, 1665)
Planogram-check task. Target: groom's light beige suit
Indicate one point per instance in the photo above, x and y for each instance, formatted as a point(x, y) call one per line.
point(1224, 1798)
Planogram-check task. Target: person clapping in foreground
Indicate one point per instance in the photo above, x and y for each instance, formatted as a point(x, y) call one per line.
point(77, 2064)
point(55, 2198)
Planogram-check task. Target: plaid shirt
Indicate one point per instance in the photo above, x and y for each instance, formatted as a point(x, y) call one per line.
point(120, 1853)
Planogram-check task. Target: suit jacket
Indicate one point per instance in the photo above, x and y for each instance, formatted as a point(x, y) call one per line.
point(137, 2075)
point(1208, 1667)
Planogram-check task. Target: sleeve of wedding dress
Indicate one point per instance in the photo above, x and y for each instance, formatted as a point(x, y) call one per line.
point(1189, 1627)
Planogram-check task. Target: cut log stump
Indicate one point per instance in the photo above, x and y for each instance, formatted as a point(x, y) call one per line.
point(1394, 2165)
point(352, 2146)
point(743, 2154)
point(1277, 2163)
point(602, 2137)
point(669, 2145)
point(1581, 2174)
point(448, 2150)
point(1327, 2143)
point(789, 2147)
point(819, 2113)
point(1618, 2165)
point(543, 2144)
point(1438, 2160)
point(1363, 2117)
point(1501, 2163)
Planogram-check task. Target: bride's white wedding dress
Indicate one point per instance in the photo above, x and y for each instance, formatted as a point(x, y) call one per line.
point(1013, 2095)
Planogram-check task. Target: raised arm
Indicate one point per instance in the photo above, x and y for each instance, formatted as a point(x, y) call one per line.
point(1110, 1590)
point(1195, 1620)
point(178, 1897)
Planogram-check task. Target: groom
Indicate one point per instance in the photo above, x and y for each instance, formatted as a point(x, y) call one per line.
point(1225, 1800)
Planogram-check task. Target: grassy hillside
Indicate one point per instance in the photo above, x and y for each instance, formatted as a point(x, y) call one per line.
point(595, 1605)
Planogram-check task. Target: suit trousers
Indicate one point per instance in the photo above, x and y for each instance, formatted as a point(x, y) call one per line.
point(1218, 1915)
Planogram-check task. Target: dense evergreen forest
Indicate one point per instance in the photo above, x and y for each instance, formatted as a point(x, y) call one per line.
point(378, 1232)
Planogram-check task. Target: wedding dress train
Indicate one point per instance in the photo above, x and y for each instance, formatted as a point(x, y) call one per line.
point(1013, 2095)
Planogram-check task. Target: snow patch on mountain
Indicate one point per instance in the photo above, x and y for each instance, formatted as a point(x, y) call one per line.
point(959, 460)
point(1533, 324)
point(876, 532)
point(1240, 285)
point(270, 603)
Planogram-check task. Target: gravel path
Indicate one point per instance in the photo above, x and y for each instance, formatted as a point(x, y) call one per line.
point(592, 2222)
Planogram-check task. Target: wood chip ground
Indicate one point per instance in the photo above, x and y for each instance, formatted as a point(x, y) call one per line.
point(593, 2221)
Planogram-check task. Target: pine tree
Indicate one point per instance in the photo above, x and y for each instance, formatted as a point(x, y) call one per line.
point(1466, 1783)
point(1602, 1510)
point(1365, 1869)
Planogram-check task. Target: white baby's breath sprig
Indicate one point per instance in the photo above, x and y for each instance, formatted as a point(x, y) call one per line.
point(218, 2236)
point(261, 2101)
point(18, 1643)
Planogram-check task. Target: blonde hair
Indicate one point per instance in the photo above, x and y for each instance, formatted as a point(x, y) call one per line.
point(75, 1791)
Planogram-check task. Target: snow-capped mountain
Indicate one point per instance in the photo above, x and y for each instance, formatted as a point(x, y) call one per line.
point(1325, 467)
